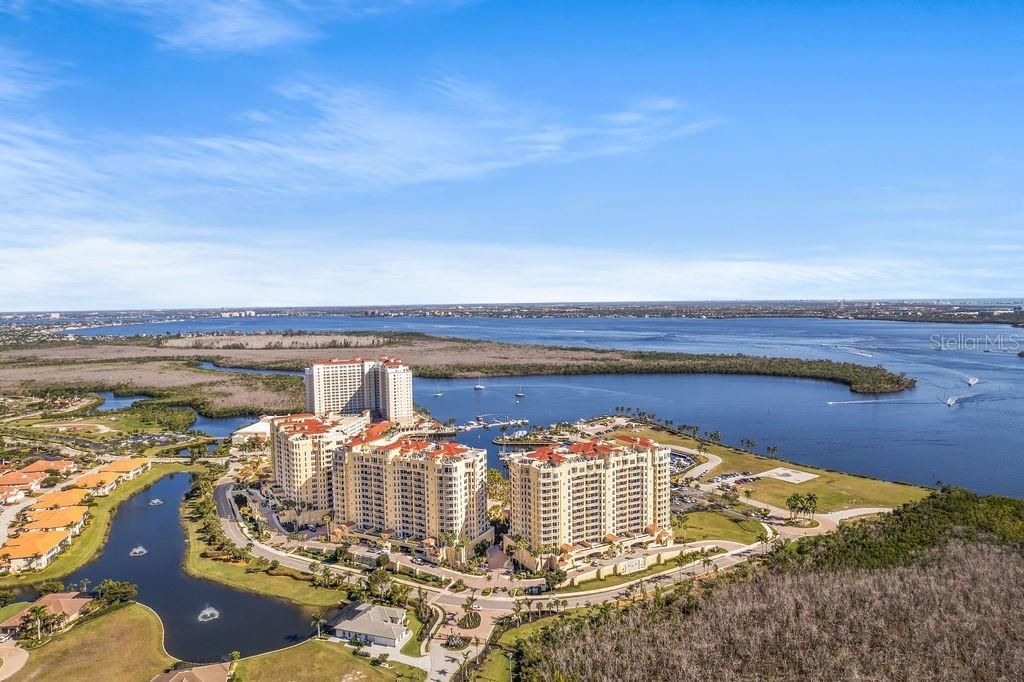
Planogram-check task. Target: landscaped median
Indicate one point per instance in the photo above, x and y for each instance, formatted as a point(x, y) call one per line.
point(87, 545)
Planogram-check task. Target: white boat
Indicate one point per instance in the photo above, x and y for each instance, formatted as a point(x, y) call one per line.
point(971, 381)
point(951, 401)
point(479, 387)
point(438, 395)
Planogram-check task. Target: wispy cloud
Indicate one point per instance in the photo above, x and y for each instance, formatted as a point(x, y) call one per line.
point(342, 137)
point(239, 25)
point(20, 79)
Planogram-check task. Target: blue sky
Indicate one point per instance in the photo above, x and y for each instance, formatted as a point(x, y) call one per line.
point(159, 153)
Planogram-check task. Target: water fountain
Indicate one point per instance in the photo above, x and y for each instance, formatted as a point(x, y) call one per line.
point(208, 614)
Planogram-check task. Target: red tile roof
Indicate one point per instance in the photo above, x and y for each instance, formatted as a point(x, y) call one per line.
point(546, 454)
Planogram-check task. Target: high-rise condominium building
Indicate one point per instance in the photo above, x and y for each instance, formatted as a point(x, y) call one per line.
point(412, 489)
point(383, 386)
point(302, 456)
point(590, 493)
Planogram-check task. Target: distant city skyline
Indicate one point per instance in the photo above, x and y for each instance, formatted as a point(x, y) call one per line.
point(250, 153)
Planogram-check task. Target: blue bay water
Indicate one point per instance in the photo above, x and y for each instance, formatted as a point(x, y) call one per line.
point(913, 436)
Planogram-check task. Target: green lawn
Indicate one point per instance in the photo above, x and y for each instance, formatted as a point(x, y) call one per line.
point(320, 661)
point(836, 491)
point(125, 645)
point(11, 609)
point(85, 547)
point(121, 422)
point(710, 525)
point(412, 647)
point(298, 591)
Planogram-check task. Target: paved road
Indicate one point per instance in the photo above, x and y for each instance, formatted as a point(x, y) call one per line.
point(14, 658)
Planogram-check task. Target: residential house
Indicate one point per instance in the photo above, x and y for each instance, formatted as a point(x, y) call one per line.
point(372, 624)
point(97, 485)
point(47, 466)
point(71, 497)
point(32, 551)
point(67, 604)
point(11, 495)
point(71, 519)
point(127, 469)
point(29, 482)
point(216, 672)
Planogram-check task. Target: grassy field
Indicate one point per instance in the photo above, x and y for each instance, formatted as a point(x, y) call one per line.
point(709, 525)
point(97, 427)
point(85, 547)
point(125, 645)
point(298, 591)
point(320, 661)
point(495, 667)
point(836, 491)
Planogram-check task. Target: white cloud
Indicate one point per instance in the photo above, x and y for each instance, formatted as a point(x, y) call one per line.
point(20, 79)
point(349, 138)
point(239, 25)
point(117, 272)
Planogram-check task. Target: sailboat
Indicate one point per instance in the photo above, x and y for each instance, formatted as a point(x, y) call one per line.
point(520, 394)
point(438, 394)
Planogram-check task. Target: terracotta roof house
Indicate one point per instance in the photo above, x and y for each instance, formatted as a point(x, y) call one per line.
point(373, 624)
point(11, 495)
point(19, 479)
point(61, 466)
point(32, 551)
point(68, 604)
point(127, 469)
point(71, 519)
point(97, 484)
point(217, 672)
point(71, 497)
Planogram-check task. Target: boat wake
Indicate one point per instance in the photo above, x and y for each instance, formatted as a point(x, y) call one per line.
point(855, 351)
point(872, 402)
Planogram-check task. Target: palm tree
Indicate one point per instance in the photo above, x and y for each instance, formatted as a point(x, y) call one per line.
point(794, 503)
point(811, 504)
point(327, 518)
point(39, 615)
point(467, 606)
point(772, 450)
point(517, 612)
point(318, 621)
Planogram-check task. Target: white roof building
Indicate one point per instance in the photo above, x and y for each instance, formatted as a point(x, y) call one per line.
point(381, 625)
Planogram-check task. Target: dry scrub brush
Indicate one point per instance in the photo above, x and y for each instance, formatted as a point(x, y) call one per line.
point(956, 615)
